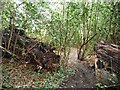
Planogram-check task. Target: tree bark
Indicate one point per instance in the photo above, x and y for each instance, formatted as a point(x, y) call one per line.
point(109, 53)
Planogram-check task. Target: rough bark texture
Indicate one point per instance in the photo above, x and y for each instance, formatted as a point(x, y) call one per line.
point(109, 53)
point(26, 49)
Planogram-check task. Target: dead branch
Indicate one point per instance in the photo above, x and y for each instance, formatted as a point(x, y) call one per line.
point(9, 52)
point(11, 33)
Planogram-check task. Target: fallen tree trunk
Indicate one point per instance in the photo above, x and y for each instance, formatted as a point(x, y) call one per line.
point(109, 53)
point(28, 50)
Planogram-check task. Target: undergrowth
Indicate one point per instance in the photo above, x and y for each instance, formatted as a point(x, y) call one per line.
point(14, 78)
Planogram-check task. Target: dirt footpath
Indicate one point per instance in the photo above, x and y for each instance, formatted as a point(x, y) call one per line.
point(84, 76)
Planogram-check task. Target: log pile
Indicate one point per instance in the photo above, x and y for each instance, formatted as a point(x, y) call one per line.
point(110, 53)
point(16, 44)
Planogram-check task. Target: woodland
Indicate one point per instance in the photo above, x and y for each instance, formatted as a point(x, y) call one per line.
point(60, 44)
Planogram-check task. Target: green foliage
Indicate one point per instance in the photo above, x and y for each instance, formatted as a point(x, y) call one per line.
point(65, 25)
point(39, 16)
point(56, 79)
point(27, 78)
point(52, 80)
point(69, 24)
point(111, 79)
point(99, 85)
point(5, 78)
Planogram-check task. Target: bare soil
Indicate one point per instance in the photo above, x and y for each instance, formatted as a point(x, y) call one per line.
point(84, 76)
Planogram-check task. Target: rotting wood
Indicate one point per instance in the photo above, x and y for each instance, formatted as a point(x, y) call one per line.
point(4, 49)
point(38, 54)
point(109, 53)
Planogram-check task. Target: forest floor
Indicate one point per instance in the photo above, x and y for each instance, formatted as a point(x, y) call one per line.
point(19, 75)
point(85, 76)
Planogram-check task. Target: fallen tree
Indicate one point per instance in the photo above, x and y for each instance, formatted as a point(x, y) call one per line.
point(109, 53)
point(18, 45)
